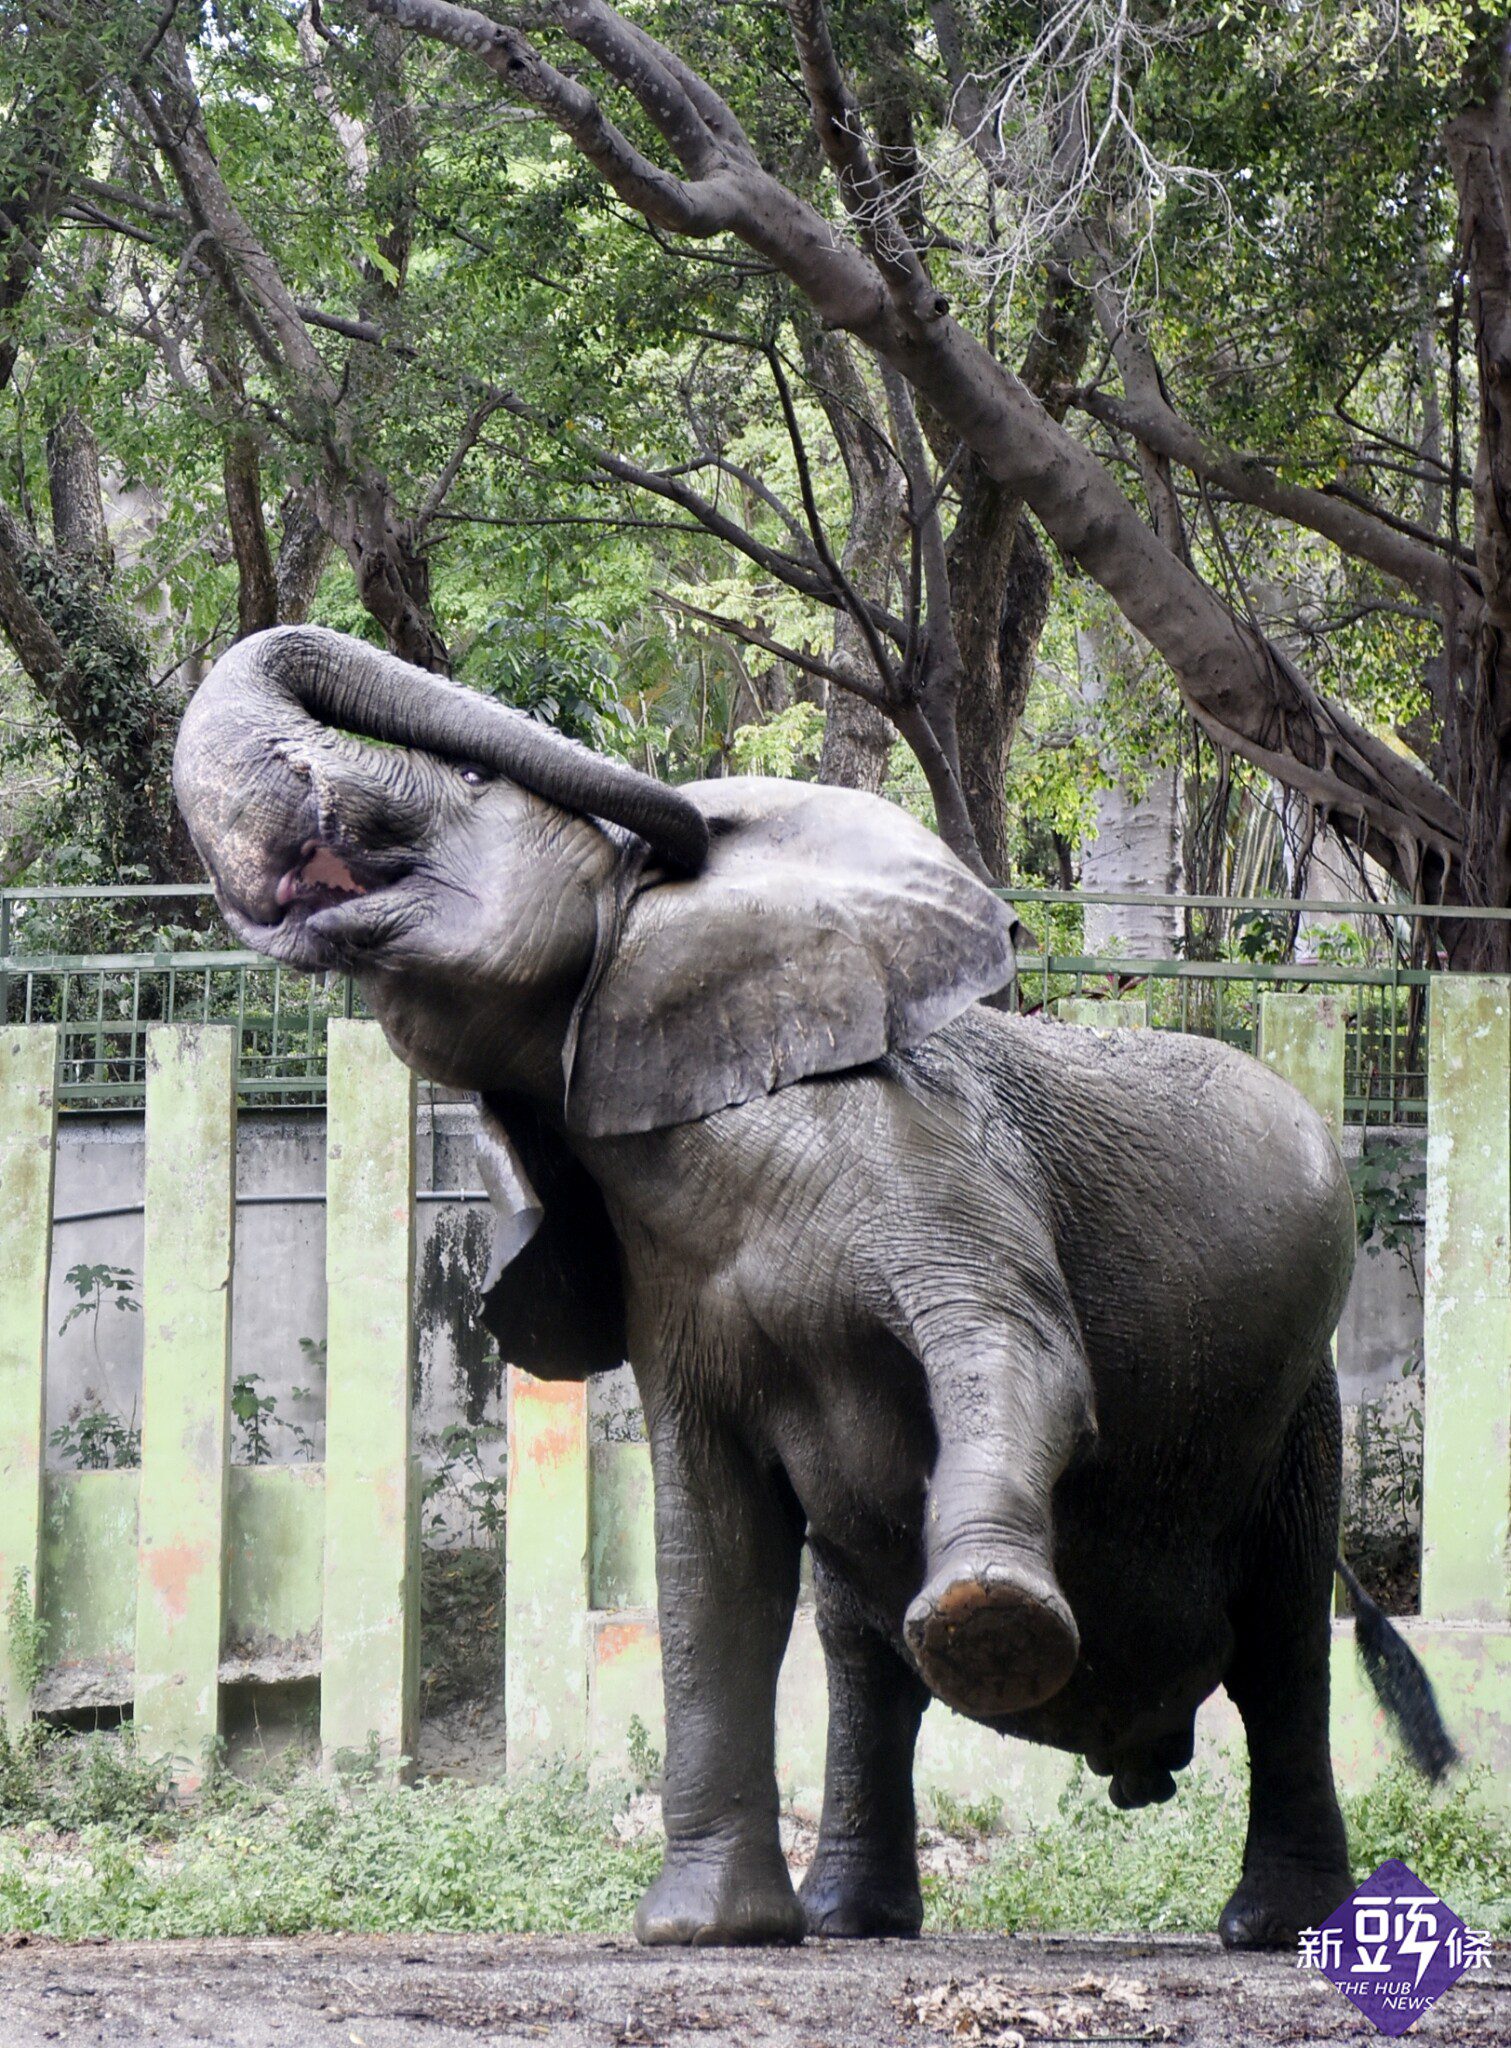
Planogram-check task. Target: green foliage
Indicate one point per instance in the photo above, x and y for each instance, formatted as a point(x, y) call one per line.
point(1389, 1185)
point(60, 1783)
point(25, 1634)
point(966, 1816)
point(1294, 265)
point(1170, 1869)
point(258, 1423)
point(1453, 1840)
point(360, 1854)
point(92, 1843)
point(786, 744)
point(95, 1285)
point(95, 1440)
point(557, 668)
point(459, 1484)
point(645, 1758)
point(1259, 937)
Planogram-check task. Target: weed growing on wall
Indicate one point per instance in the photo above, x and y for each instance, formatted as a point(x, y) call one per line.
point(25, 1635)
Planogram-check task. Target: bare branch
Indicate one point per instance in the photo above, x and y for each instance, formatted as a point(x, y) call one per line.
point(753, 636)
point(451, 469)
point(851, 599)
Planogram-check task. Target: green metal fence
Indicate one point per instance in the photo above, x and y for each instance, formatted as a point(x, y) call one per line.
point(104, 965)
point(104, 998)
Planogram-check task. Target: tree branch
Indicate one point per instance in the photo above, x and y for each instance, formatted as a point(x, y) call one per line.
point(753, 636)
point(700, 208)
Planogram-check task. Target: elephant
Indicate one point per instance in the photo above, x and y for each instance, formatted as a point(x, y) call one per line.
point(1024, 1330)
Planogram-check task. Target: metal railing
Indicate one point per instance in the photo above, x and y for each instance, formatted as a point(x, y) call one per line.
point(57, 967)
point(105, 963)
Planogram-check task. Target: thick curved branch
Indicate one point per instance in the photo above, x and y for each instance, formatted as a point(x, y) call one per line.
point(702, 207)
point(1359, 530)
point(837, 123)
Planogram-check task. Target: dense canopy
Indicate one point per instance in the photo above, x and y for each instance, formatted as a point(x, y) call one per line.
point(1006, 406)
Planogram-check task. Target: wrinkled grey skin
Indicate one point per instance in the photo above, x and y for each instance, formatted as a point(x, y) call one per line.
point(747, 1120)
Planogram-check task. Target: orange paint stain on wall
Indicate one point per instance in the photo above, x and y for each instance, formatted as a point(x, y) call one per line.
point(618, 1639)
point(174, 1569)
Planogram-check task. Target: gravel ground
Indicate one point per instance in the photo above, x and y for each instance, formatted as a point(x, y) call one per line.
point(468, 1990)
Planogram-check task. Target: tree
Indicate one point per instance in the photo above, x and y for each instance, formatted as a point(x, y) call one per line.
point(88, 665)
point(686, 163)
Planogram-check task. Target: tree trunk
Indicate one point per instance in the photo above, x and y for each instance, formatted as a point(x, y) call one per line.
point(355, 499)
point(1479, 150)
point(73, 490)
point(241, 476)
point(858, 739)
point(1000, 585)
point(304, 548)
point(1138, 840)
point(93, 675)
point(257, 582)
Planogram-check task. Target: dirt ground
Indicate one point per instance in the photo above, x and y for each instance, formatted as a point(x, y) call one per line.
point(588, 1992)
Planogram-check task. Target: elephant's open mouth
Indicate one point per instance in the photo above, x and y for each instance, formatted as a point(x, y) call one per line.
point(321, 878)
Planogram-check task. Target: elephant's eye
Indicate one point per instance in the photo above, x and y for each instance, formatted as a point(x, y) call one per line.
point(471, 773)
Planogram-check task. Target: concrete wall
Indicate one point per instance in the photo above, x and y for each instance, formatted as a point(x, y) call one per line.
point(278, 1294)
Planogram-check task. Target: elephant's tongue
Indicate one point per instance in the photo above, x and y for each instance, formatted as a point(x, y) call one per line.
point(319, 871)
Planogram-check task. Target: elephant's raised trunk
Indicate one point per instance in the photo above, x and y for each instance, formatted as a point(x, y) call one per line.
point(344, 684)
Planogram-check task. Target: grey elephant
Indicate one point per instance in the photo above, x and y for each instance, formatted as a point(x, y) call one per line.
point(1024, 1330)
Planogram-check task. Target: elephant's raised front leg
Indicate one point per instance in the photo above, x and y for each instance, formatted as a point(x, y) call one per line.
point(1012, 1398)
point(864, 1876)
point(728, 1541)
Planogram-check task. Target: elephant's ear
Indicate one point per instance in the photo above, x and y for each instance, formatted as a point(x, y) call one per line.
point(827, 928)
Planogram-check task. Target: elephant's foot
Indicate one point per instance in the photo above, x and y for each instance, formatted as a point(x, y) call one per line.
point(992, 1635)
point(725, 1897)
point(849, 1896)
point(1276, 1899)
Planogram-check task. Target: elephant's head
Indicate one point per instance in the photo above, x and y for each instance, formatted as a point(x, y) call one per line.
point(525, 916)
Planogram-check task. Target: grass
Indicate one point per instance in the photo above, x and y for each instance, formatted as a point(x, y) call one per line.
point(92, 1843)
point(1169, 1869)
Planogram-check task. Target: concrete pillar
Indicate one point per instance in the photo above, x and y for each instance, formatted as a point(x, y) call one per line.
point(369, 1677)
point(1466, 1476)
point(1305, 1040)
point(28, 1120)
point(546, 1565)
point(186, 1374)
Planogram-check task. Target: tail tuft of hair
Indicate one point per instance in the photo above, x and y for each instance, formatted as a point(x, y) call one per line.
point(1400, 1684)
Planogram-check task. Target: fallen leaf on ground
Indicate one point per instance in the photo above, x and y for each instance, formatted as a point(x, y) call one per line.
point(1000, 2014)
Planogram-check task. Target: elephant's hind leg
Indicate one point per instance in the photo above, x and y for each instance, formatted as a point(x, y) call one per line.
point(1295, 1862)
point(864, 1876)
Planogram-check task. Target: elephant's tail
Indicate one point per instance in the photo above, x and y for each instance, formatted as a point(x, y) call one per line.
point(1401, 1685)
